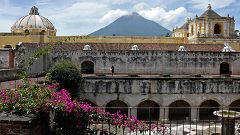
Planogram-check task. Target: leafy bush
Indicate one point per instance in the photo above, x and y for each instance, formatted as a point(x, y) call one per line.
point(24, 100)
point(67, 75)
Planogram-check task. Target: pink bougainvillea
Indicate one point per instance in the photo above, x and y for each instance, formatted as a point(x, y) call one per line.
point(33, 99)
point(62, 101)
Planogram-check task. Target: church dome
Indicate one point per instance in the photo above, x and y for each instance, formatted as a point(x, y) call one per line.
point(33, 23)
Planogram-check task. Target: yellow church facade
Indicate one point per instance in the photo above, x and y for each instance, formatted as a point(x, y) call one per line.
point(209, 28)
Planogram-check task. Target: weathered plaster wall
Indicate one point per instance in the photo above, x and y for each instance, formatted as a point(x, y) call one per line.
point(4, 58)
point(23, 55)
point(137, 62)
point(154, 62)
point(164, 91)
point(8, 74)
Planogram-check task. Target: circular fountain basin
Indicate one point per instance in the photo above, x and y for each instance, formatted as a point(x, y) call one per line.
point(227, 113)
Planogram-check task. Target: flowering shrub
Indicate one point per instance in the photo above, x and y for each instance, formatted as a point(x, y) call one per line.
point(72, 117)
point(8, 99)
point(84, 114)
point(24, 100)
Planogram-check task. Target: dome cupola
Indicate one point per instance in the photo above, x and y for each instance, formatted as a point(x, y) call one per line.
point(34, 24)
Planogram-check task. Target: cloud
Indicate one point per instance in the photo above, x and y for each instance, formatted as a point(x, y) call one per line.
point(140, 6)
point(76, 17)
point(117, 2)
point(8, 9)
point(78, 11)
point(9, 13)
point(168, 19)
point(6, 25)
point(112, 15)
point(216, 4)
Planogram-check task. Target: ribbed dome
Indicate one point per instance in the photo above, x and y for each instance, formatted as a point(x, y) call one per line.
point(33, 21)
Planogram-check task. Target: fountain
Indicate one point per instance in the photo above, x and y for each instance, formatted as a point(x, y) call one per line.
point(228, 120)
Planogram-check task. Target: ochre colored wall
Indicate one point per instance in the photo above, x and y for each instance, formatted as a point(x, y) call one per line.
point(117, 39)
point(13, 40)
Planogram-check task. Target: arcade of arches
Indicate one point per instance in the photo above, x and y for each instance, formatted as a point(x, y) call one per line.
point(177, 110)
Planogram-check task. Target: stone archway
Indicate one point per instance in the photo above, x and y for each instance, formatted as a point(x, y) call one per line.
point(179, 110)
point(148, 110)
point(224, 68)
point(206, 110)
point(87, 67)
point(217, 29)
point(117, 106)
point(235, 105)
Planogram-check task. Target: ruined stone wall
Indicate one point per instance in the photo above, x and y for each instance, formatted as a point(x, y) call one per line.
point(38, 66)
point(9, 74)
point(139, 62)
point(4, 58)
point(11, 124)
point(155, 62)
point(162, 90)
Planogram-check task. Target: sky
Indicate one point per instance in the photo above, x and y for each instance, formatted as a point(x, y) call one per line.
point(82, 17)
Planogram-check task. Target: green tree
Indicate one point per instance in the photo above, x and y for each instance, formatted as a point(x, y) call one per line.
point(67, 75)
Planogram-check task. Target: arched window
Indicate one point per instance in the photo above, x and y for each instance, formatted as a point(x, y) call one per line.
point(27, 32)
point(87, 67)
point(117, 106)
point(148, 110)
point(206, 110)
point(217, 29)
point(179, 110)
point(224, 68)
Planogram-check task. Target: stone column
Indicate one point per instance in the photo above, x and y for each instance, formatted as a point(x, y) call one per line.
point(132, 111)
point(194, 114)
point(164, 114)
